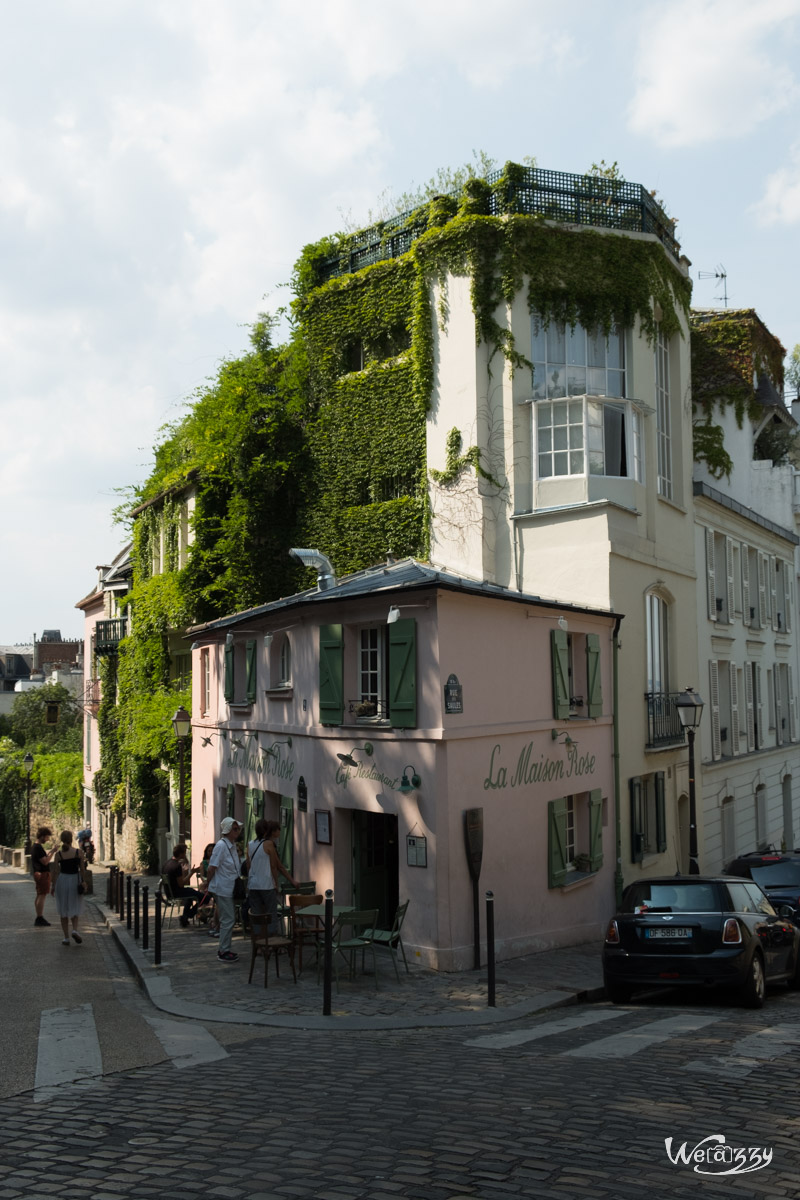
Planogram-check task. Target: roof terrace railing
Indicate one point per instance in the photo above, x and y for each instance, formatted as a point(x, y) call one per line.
point(556, 195)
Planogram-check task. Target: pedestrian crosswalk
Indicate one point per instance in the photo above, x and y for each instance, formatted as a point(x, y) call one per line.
point(69, 1049)
point(620, 1033)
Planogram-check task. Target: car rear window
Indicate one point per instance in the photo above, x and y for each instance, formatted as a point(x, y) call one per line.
point(670, 897)
point(779, 874)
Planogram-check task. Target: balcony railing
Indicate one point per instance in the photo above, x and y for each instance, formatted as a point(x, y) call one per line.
point(555, 195)
point(663, 723)
point(109, 634)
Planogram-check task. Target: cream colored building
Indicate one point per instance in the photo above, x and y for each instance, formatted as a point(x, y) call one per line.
point(590, 501)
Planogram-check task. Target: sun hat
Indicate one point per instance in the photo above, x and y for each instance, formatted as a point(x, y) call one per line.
point(228, 824)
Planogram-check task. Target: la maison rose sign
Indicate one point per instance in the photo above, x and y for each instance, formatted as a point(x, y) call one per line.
point(544, 769)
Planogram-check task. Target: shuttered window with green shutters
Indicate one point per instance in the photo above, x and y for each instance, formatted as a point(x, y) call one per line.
point(556, 842)
point(331, 675)
point(661, 813)
point(559, 651)
point(593, 681)
point(595, 829)
point(637, 819)
point(403, 674)
point(250, 660)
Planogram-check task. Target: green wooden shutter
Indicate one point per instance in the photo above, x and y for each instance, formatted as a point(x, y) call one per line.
point(258, 802)
point(661, 813)
point(331, 671)
point(250, 658)
point(228, 685)
point(559, 649)
point(286, 840)
point(249, 815)
point(595, 829)
point(593, 681)
point(403, 674)
point(556, 842)
point(637, 819)
point(231, 799)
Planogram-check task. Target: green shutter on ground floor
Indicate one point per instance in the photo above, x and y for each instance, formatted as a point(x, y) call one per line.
point(556, 842)
point(595, 829)
point(637, 819)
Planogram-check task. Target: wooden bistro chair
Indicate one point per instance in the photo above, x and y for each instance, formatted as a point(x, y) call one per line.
point(265, 945)
point(285, 889)
point(305, 929)
point(389, 939)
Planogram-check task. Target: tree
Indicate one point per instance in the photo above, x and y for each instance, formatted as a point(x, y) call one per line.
point(28, 722)
point(793, 370)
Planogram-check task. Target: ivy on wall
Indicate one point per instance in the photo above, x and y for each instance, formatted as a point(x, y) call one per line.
point(730, 349)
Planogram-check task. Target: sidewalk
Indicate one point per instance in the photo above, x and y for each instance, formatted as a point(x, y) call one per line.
point(192, 982)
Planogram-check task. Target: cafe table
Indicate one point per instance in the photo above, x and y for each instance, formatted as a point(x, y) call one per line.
point(318, 910)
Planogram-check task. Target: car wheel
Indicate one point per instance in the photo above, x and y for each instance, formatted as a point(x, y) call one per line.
point(755, 989)
point(618, 993)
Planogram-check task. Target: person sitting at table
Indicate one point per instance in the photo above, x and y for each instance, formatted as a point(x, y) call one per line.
point(263, 866)
point(179, 873)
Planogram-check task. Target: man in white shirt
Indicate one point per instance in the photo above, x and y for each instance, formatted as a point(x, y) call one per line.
point(224, 868)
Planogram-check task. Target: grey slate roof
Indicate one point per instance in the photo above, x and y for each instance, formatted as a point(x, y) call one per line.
point(408, 575)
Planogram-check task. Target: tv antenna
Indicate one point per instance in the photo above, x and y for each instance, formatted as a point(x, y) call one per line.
point(721, 274)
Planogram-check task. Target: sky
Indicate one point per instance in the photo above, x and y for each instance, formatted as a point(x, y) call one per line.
point(163, 163)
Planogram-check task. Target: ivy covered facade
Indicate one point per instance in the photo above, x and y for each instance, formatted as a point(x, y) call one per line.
point(497, 383)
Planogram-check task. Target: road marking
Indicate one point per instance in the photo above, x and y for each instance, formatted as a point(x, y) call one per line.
point(68, 1048)
point(622, 1045)
point(749, 1052)
point(500, 1041)
point(187, 1044)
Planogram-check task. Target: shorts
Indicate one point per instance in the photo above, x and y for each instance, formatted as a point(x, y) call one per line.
point(42, 881)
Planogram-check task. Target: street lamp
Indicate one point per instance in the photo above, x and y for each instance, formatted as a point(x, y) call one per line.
point(182, 724)
point(27, 763)
point(690, 710)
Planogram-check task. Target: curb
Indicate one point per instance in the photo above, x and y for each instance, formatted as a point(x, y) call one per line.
point(158, 986)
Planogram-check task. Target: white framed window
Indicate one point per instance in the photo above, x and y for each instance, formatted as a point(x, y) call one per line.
point(588, 435)
point(570, 839)
point(573, 361)
point(657, 643)
point(372, 671)
point(663, 417)
point(285, 665)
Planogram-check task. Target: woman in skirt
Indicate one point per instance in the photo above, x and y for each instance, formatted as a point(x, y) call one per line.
point(70, 865)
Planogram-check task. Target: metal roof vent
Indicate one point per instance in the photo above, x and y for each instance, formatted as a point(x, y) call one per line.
point(326, 578)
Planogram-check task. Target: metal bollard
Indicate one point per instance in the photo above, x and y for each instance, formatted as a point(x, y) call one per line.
point(120, 894)
point(109, 882)
point(157, 950)
point(128, 905)
point(490, 948)
point(327, 955)
point(145, 918)
point(136, 910)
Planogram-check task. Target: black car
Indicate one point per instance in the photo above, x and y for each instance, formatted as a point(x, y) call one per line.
point(776, 873)
point(702, 931)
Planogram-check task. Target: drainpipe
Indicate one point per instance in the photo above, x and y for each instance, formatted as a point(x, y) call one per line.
point(326, 579)
point(618, 884)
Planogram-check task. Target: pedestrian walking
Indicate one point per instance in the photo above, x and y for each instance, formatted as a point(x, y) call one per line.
point(40, 865)
point(224, 869)
point(69, 885)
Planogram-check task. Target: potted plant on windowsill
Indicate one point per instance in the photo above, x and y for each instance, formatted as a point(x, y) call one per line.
point(582, 863)
point(366, 708)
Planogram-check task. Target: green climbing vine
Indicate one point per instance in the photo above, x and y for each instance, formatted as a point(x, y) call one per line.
point(456, 462)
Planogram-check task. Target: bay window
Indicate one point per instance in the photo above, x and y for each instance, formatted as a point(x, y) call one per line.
point(588, 435)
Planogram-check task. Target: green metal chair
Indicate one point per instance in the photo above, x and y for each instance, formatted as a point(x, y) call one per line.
point(389, 939)
point(362, 926)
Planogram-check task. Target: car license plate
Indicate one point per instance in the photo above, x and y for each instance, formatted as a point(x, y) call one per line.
point(669, 931)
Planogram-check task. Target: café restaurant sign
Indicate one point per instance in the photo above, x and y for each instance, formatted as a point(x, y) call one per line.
point(544, 769)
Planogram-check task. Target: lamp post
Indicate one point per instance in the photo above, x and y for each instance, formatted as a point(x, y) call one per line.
point(27, 763)
point(690, 710)
point(182, 724)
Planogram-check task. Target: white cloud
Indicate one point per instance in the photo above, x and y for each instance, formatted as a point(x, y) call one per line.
point(780, 203)
point(712, 69)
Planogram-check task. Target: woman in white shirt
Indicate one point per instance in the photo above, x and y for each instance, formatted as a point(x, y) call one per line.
point(263, 866)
